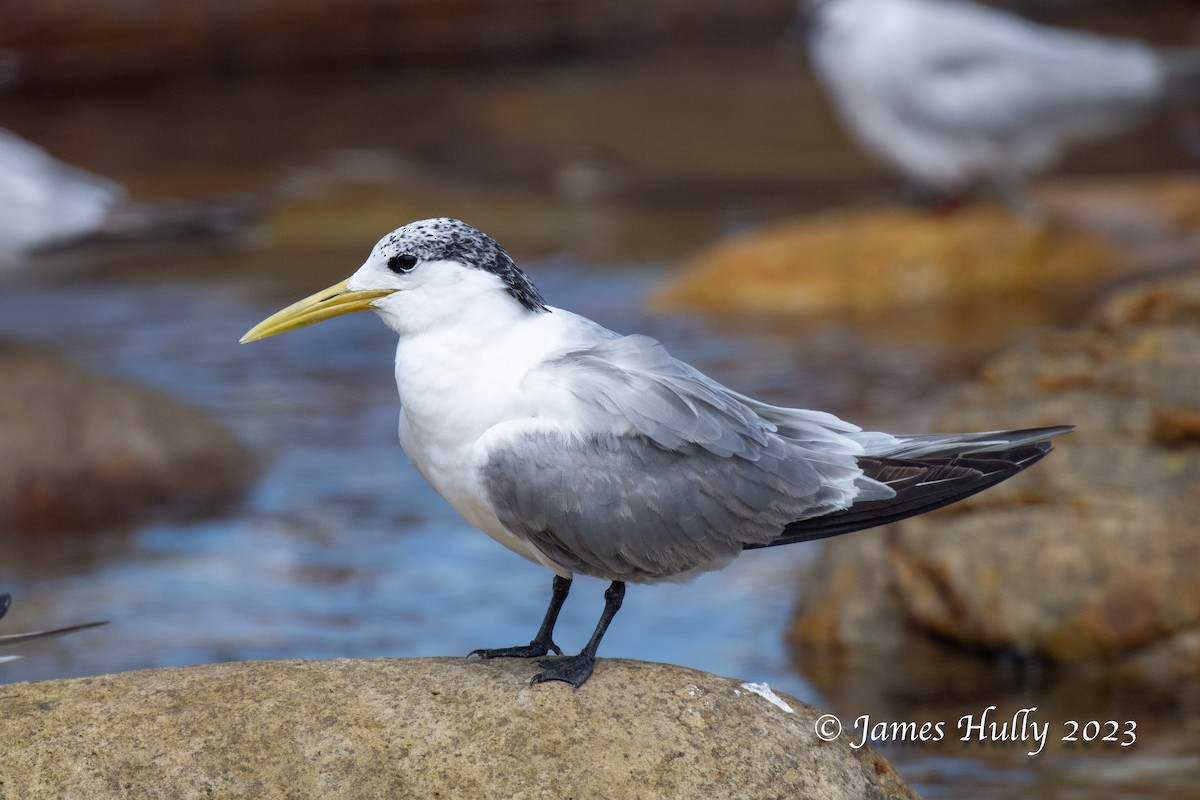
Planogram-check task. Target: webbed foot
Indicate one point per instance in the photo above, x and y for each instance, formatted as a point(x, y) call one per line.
point(574, 670)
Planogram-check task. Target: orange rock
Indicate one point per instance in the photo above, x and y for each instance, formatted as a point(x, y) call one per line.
point(868, 261)
point(1092, 556)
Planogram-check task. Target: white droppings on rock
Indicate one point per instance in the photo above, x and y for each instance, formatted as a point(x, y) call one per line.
point(764, 691)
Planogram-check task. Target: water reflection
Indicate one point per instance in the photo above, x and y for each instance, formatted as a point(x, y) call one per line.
point(928, 683)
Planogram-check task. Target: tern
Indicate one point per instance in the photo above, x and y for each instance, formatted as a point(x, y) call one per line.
point(593, 453)
point(20, 638)
point(48, 204)
point(956, 96)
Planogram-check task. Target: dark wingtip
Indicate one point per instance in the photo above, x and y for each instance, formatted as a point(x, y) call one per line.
point(979, 472)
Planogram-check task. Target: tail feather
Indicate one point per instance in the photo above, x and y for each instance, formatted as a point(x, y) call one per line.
point(921, 485)
point(922, 446)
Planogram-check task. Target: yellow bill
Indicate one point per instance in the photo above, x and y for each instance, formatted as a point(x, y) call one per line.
point(332, 302)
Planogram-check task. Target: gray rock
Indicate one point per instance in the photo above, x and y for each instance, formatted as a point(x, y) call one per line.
point(78, 449)
point(420, 728)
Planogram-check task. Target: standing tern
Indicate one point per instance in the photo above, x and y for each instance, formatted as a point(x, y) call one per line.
point(955, 95)
point(594, 453)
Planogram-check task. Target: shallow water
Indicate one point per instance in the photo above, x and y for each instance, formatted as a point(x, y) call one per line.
point(340, 548)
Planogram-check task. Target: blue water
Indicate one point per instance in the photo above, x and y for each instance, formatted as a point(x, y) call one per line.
point(340, 548)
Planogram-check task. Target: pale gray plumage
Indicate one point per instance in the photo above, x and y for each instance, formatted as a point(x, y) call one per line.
point(624, 508)
point(705, 473)
point(953, 94)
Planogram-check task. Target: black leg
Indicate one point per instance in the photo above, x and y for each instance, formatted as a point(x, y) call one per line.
point(575, 670)
point(543, 643)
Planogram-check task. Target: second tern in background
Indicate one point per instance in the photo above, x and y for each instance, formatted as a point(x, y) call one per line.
point(958, 96)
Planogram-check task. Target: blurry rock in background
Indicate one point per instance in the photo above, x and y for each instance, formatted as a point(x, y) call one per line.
point(79, 450)
point(1093, 563)
point(78, 40)
point(45, 203)
point(960, 97)
point(73, 41)
point(972, 277)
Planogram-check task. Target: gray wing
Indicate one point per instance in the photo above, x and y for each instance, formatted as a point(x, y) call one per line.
point(977, 70)
point(624, 508)
point(633, 379)
point(660, 471)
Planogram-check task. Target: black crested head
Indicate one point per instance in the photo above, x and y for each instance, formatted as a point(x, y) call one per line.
point(446, 239)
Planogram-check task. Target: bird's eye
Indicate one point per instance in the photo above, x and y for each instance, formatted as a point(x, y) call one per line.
point(402, 263)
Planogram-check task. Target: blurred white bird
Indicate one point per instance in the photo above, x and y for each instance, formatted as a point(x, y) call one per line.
point(45, 203)
point(594, 453)
point(957, 96)
point(20, 638)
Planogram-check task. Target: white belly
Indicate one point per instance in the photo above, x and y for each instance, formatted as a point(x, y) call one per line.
point(447, 408)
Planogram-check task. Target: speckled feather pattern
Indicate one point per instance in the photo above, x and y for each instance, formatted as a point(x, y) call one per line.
point(446, 239)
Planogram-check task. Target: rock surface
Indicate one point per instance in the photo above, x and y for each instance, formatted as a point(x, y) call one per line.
point(418, 728)
point(1089, 557)
point(967, 263)
point(871, 260)
point(78, 449)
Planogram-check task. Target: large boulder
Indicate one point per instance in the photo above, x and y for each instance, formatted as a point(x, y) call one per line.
point(982, 264)
point(865, 261)
point(80, 450)
point(414, 728)
point(1089, 557)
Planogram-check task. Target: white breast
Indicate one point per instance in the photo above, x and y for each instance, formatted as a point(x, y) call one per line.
point(454, 385)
